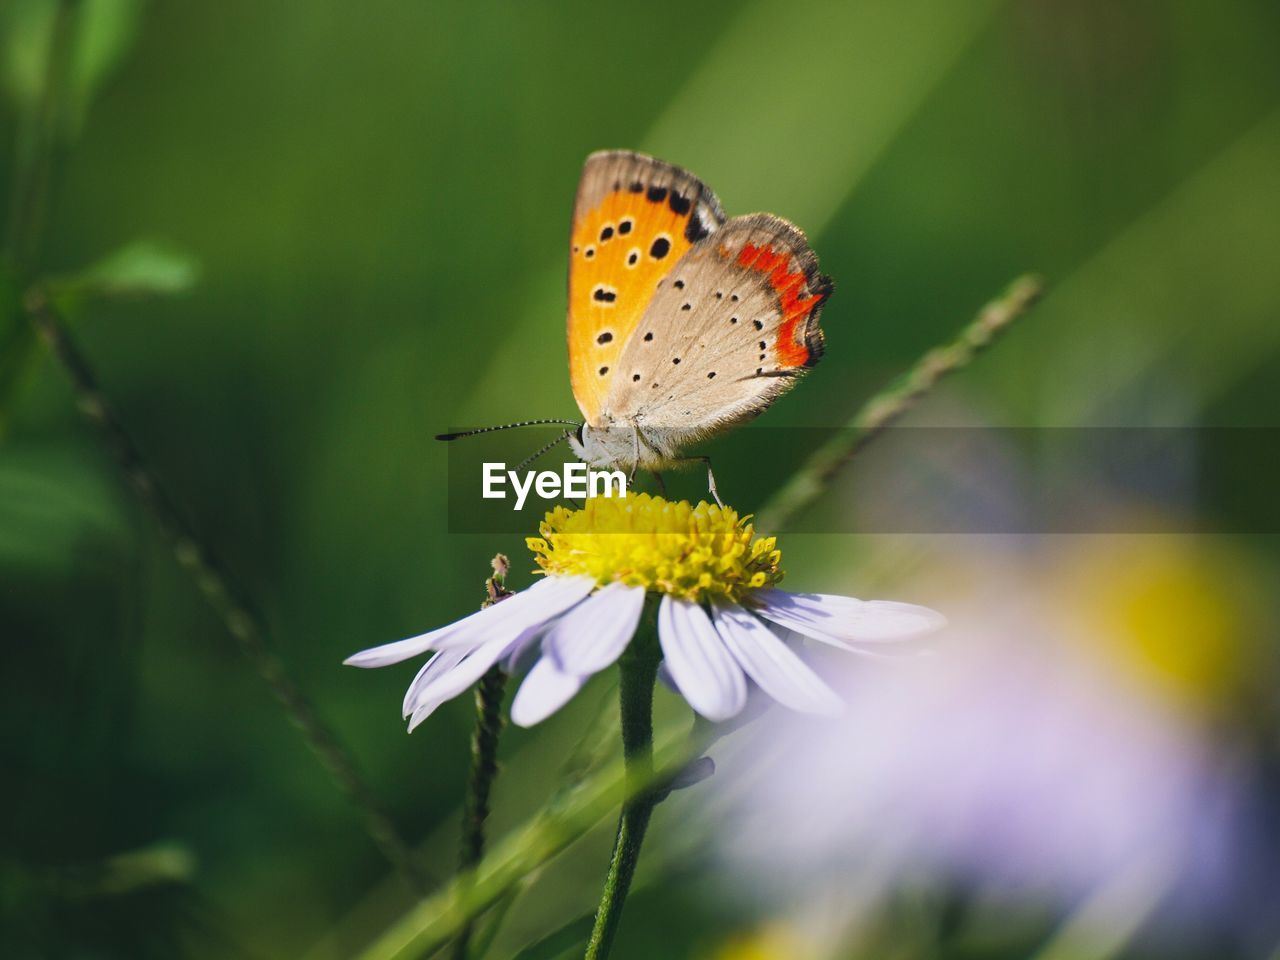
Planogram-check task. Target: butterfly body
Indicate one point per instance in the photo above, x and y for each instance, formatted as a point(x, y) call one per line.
point(682, 324)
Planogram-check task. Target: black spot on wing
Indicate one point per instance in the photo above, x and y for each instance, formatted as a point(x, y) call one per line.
point(680, 204)
point(657, 194)
point(695, 229)
point(604, 296)
point(661, 247)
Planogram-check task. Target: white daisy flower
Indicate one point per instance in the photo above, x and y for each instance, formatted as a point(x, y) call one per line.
point(722, 621)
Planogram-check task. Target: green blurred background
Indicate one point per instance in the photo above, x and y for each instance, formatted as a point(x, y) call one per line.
point(357, 217)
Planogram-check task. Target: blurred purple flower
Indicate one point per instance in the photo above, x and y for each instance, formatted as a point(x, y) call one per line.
point(1011, 762)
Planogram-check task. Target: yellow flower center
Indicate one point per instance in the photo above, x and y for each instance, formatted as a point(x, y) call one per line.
point(675, 548)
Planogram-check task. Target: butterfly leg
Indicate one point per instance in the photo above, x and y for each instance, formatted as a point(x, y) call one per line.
point(711, 481)
point(711, 477)
point(635, 455)
point(662, 484)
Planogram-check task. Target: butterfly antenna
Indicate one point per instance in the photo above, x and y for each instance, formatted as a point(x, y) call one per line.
point(532, 457)
point(505, 426)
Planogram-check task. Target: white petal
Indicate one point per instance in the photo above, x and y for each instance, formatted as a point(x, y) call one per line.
point(772, 664)
point(886, 653)
point(545, 690)
point(664, 678)
point(521, 657)
point(466, 665)
point(451, 682)
point(845, 620)
point(594, 633)
point(535, 607)
point(704, 671)
point(425, 708)
point(440, 663)
point(544, 599)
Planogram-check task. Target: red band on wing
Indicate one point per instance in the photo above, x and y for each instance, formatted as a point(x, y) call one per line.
point(795, 308)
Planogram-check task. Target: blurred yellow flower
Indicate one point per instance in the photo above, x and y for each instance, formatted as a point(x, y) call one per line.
point(775, 941)
point(1176, 613)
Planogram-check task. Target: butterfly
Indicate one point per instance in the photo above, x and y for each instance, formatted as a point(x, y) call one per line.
point(682, 324)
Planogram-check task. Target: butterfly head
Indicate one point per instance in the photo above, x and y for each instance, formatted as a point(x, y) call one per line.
point(614, 445)
point(597, 447)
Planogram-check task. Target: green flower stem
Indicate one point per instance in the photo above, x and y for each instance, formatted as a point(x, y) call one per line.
point(218, 589)
point(638, 670)
point(484, 756)
point(484, 770)
point(484, 765)
point(808, 483)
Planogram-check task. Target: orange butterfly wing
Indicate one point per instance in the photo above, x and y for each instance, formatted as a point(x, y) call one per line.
point(634, 217)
